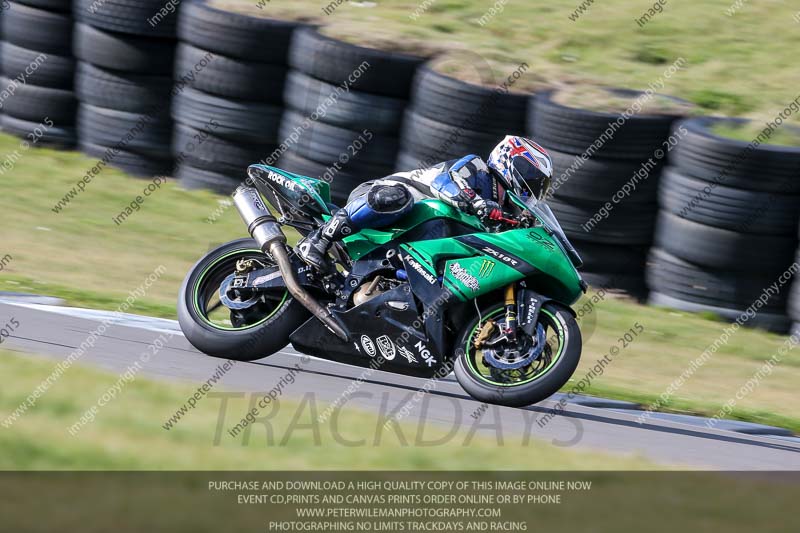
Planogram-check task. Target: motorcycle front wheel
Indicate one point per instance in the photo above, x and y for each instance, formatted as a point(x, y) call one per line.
point(531, 383)
point(245, 331)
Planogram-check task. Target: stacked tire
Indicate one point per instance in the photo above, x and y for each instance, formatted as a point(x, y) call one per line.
point(344, 111)
point(605, 186)
point(794, 301)
point(450, 118)
point(229, 77)
point(125, 51)
point(727, 229)
point(38, 68)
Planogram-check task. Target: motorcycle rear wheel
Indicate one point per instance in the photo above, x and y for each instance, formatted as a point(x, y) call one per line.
point(216, 331)
point(532, 384)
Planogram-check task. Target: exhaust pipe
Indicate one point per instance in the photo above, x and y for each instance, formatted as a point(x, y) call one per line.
point(266, 231)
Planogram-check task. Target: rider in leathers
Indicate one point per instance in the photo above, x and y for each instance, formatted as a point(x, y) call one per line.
point(470, 184)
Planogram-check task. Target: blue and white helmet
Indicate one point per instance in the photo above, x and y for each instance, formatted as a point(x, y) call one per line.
point(522, 165)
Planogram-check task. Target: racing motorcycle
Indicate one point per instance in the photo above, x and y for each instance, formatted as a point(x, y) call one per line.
point(439, 291)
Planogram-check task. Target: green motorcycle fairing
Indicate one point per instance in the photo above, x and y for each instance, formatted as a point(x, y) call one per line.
point(295, 189)
point(479, 263)
point(473, 264)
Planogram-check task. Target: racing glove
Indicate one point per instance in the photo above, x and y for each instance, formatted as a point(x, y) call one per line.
point(486, 209)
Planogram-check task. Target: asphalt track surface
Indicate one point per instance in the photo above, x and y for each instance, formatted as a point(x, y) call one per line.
point(55, 332)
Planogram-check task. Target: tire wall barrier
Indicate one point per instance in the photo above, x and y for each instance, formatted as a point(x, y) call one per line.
point(39, 102)
point(727, 229)
point(122, 80)
point(344, 110)
point(191, 91)
point(605, 184)
point(230, 71)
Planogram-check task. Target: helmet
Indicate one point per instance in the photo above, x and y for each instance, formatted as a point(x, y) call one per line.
point(522, 165)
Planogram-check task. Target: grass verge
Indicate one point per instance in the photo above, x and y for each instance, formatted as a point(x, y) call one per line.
point(744, 66)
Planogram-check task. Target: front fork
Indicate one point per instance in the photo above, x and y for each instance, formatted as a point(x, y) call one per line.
point(511, 313)
point(509, 330)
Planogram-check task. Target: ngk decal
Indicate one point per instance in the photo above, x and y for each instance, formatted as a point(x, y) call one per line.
point(425, 353)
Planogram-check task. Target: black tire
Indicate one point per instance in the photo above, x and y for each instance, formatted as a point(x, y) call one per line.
point(205, 150)
point(610, 258)
point(667, 274)
point(38, 29)
point(128, 53)
point(476, 107)
point(234, 78)
point(64, 6)
point(329, 144)
point(130, 162)
point(334, 61)
point(632, 285)
point(775, 322)
point(141, 133)
point(539, 389)
point(34, 103)
point(123, 91)
point(720, 248)
point(440, 142)
point(341, 183)
point(241, 345)
point(236, 119)
point(149, 18)
point(352, 109)
point(194, 178)
point(597, 180)
point(235, 34)
point(738, 210)
point(711, 158)
point(573, 131)
point(55, 71)
point(794, 300)
point(57, 137)
point(410, 160)
point(630, 224)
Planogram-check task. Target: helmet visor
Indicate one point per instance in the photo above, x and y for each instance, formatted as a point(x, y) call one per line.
point(530, 178)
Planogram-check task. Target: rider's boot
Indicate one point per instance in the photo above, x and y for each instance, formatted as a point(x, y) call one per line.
point(314, 247)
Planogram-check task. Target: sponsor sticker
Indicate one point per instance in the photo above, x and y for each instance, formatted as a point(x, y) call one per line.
point(368, 345)
point(386, 346)
point(534, 236)
point(487, 267)
point(281, 180)
point(425, 354)
point(430, 278)
point(464, 277)
point(409, 356)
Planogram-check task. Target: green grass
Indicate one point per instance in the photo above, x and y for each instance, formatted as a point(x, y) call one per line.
point(740, 65)
point(82, 256)
point(127, 434)
point(79, 253)
point(600, 99)
point(671, 341)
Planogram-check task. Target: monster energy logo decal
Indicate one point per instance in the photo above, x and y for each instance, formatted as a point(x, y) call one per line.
point(464, 277)
point(487, 267)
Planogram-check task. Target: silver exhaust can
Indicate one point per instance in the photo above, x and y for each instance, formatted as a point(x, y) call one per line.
point(261, 225)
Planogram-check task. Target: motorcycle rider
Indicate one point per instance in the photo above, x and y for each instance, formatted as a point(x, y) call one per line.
point(470, 184)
